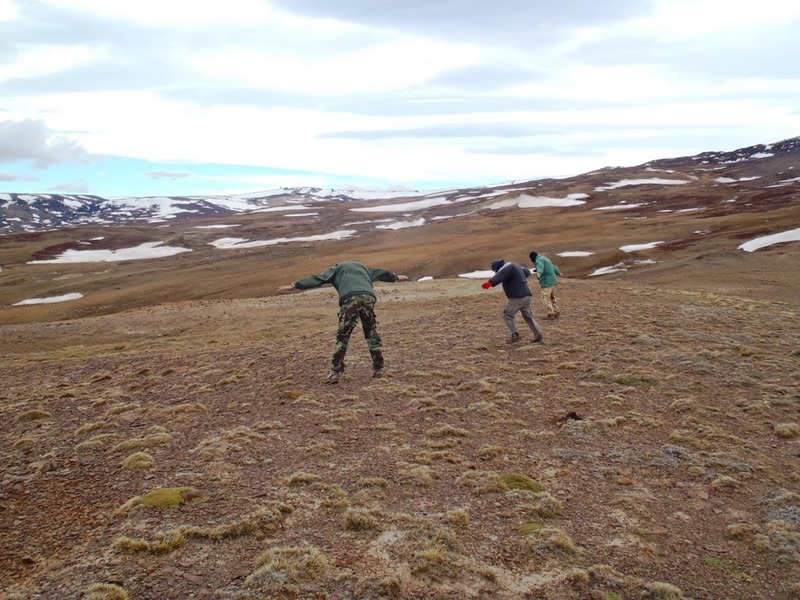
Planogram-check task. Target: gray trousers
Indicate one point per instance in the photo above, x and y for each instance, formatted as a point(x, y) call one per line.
point(522, 305)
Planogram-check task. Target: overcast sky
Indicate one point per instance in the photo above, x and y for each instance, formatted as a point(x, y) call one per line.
point(159, 97)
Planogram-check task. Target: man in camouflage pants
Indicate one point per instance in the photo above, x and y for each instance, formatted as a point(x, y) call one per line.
point(353, 282)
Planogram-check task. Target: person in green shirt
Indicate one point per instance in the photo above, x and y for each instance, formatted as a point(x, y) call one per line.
point(353, 282)
point(547, 272)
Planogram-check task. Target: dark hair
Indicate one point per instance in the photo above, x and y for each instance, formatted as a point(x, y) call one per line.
point(533, 256)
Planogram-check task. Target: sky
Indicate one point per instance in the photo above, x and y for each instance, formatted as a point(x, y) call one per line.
point(179, 97)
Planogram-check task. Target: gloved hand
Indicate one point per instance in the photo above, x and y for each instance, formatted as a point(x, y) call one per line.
point(487, 285)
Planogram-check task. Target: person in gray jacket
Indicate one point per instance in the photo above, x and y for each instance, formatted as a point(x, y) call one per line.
point(515, 285)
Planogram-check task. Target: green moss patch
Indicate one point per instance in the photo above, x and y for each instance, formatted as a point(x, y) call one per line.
point(515, 481)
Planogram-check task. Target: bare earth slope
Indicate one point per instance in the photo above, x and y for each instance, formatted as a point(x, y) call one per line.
point(649, 448)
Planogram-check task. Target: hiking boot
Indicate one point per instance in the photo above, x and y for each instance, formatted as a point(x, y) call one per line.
point(538, 339)
point(515, 337)
point(556, 314)
point(378, 373)
point(551, 316)
point(333, 377)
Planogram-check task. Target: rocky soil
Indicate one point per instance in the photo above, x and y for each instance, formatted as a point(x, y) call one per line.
point(649, 448)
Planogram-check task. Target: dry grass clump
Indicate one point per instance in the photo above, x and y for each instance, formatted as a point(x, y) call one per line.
point(96, 441)
point(489, 452)
point(787, 431)
point(417, 475)
point(187, 408)
point(445, 431)
point(301, 478)
point(435, 558)
point(658, 590)
point(781, 538)
point(550, 539)
point(31, 415)
point(458, 517)
point(156, 437)
point(372, 482)
point(485, 482)
point(138, 460)
point(166, 498)
point(636, 379)
point(323, 448)
point(105, 591)
point(94, 426)
point(118, 410)
point(24, 444)
point(284, 564)
point(333, 495)
point(268, 425)
point(231, 440)
point(540, 504)
point(262, 520)
point(361, 519)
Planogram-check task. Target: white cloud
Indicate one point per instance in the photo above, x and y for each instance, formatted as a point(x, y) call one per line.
point(439, 93)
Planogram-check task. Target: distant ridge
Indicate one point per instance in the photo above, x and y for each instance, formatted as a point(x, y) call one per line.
point(771, 165)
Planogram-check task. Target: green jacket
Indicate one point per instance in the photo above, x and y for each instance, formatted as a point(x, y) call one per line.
point(349, 278)
point(547, 271)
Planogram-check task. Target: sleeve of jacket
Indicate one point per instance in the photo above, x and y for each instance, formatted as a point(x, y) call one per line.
point(315, 281)
point(378, 274)
point(526, 271)
point(555, 268)
point(499, 277)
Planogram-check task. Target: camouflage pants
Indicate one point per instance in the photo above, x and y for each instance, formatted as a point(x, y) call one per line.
point(359, 307)
point(549, 300)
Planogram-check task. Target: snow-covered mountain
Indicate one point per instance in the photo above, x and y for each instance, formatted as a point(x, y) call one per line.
point(749, 170)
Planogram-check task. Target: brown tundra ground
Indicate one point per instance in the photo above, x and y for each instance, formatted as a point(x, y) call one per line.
point(649, 448)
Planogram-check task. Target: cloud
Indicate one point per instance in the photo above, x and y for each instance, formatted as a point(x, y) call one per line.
point(452, 130)
point(77, 186)
point(173, 175)
point(17, 177)
point(517, 21)
point(30, 140)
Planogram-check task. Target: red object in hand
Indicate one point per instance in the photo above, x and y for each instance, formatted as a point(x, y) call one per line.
point(487, 285)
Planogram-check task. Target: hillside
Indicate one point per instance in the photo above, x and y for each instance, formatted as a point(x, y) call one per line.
point(649, 448)
point(166, 432)
point(675, 211)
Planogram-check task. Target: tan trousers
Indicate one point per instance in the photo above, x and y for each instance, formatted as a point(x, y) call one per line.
point(549, 301)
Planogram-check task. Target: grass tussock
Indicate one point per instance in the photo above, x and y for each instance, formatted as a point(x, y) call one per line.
point(166, 498)
point(95, 442)
point(263, 519)
point(458, 517)
point(269, 426)
point(232, 440)
point(420, 475)
point(284, 564)
point(187, 408)
point(153, 439)
point(515, 481)
point(105, 591)
point(551, 540)
point(787, 431)
point(138, 460)
point(118, 410)
point(24, 444)
point(301, 478)
point(94, 426)
point(781, 538)
point(34, 414)
point(483, 482)
point(361, 519)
